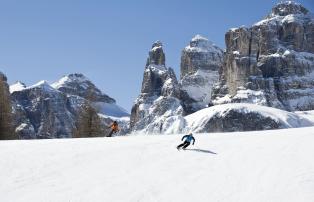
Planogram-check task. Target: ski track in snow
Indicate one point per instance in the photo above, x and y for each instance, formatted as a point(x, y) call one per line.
point(275, 165)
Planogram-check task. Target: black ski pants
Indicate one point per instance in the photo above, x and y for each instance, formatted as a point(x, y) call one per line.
point(111, 132)
point(184, 145)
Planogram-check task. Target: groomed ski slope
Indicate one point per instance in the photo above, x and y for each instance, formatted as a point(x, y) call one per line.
point(272, 166)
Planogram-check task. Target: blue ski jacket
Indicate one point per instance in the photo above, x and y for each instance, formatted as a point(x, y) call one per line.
point(188, 138)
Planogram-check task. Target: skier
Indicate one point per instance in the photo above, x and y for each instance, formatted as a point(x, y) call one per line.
point(114, 128)
point(187, 141)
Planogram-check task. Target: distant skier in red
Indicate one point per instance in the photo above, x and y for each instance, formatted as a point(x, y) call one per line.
point(114, 128)
point(187, 141)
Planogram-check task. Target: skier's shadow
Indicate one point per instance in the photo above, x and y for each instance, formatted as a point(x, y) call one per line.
point(201, 150)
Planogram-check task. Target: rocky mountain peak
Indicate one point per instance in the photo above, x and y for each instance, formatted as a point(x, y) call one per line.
point(201, 44)
point(78, 77)
point(78, 84)
point(157, 44)
point(156, 55)
point(71, 78)
point(200, 41)
point(159, 93)
point(287, 8)
point(51, 111)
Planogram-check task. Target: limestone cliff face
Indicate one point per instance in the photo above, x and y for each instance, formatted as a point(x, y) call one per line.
point(200, 62)
point(200, 54)
point(272, 62)
point(159, 97)
point(43, 112)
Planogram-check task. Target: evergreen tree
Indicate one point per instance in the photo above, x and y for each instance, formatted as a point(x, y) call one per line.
point(6, 124)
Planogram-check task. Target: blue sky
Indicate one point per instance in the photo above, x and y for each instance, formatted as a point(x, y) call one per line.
point(108, 41)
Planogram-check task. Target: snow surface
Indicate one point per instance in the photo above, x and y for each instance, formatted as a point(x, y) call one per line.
point(252, 166)
point(306, 114)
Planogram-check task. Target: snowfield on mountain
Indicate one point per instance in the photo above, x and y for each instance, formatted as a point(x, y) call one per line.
point(273, 165)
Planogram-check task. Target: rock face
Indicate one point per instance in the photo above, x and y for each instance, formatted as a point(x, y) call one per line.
point(79, 85)
point(51, 111)
point(200, 62)
point(272, 62)
point(43, 112)
point(160, 93)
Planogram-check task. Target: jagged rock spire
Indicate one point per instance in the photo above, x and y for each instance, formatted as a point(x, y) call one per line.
point(159, 94)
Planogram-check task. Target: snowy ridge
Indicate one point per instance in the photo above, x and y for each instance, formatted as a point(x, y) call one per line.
point(43, 85)
point(251, 166)
point(172, 122)
point(17, 86)
point(197, 120)
point(79, 78)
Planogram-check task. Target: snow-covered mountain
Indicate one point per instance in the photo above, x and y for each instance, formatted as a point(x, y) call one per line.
point(78, 84)
point(256, 166)
point(164, 100)
point(41, 111)
point(160, 111)
point(51, 111)
point(272, 62)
